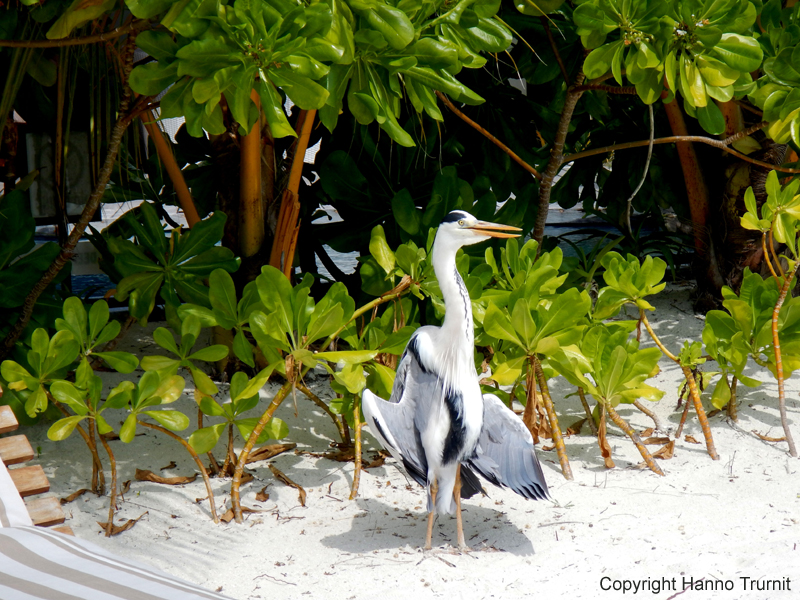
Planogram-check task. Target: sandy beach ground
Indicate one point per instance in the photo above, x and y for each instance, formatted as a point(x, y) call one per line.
point(732, 525)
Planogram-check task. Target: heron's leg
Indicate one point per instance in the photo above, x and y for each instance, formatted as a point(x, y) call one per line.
point(431, 515)
point(462, 545)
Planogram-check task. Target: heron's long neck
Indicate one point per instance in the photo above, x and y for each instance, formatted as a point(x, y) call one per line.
point(458, 316)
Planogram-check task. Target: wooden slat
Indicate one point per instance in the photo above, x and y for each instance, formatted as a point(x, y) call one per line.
point(29, 480)
point(8, 422)
point(45, 511)
point(65, 529)
point(15, 449)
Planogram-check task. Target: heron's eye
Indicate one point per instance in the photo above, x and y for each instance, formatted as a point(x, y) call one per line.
point(461, 222)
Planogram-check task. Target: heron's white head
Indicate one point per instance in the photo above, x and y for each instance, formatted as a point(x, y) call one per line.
point(459, 228)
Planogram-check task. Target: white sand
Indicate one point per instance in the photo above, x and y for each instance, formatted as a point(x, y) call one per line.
point(719, 520)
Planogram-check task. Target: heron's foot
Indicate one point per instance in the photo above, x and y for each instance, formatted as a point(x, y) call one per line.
point(448, 549)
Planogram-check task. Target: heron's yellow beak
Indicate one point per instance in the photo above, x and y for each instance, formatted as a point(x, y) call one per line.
point(496, 230)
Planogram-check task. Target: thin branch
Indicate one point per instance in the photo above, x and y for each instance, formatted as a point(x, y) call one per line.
point(555, 430)
point(631, 433)
point(556, 157)
point(489, 136)
point(747, 107)
point(721, 144)
point(776, 343)
point(124, 119)
point(611, 89)
point(552, 41)
point(112, 501)
point(198, 462)
point(766, 256)
point(89, 39)
point(321, 404)
point(646, 169)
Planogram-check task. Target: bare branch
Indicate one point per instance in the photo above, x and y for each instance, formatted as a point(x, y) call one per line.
point(611, 89)
point(561, 66)
point(721, 144)
point(489, 136)
point(79, 41)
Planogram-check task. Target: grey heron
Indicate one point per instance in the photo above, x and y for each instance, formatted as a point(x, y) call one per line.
point(437, 423)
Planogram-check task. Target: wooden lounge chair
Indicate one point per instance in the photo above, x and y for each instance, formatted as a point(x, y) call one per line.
point(41, 563)
point(30, 481)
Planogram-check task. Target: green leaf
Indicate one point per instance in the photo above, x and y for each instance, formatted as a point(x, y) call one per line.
point(222, 295)
point(171, 419)
point(66, 393)
point(392, 22)
point(120, 395)
point(63, 428)
point(154, 77)
point(272, 105)
point(158, 44)
point(711, 118)
point(157, 363)
point(78, 13)
point(598, 63)
point(523, 322)
point(275, 429)
point(255, 384)
point(405, 212)
point(98, 318)
point(204, 440)
point(210, 353)
point(348, 357)
point(243, 350)
point(128, 430)
point(722, 393)
point(102, 425)
point(304, 92)
point(203, 382)
point(123, 362)
point(205, 316)
point(497, 324)
point(739, 52)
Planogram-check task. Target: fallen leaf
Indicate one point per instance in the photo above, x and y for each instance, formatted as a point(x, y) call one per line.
point(377, 460)
point(262, 496)
point(73, 496)
point(228, 516)
point(143, 475)
point(666, 451)
point(126, 486)
point(116, 529)
point(576, 427)
point(655, 440)
point(280, 476)
point(111, 435)
point(713, 413)
point(602, 440)
point(647, 432)
point(766, 438)
point(690, 439)
point(171, 465)
point(347, 455)
point(548, 448)
point(267, 452)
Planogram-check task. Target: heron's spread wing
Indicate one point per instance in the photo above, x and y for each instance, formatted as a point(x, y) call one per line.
point(416, 394)
point(505, 455)
point(394, 423)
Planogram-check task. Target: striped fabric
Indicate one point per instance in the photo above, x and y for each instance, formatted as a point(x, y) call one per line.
point(37, 564)
point(12, 508)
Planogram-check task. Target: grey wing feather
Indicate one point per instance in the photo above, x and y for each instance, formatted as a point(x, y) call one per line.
point(505, 455)
point(396, 423)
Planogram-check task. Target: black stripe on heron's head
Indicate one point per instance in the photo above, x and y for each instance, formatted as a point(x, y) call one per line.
point(454, 216)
